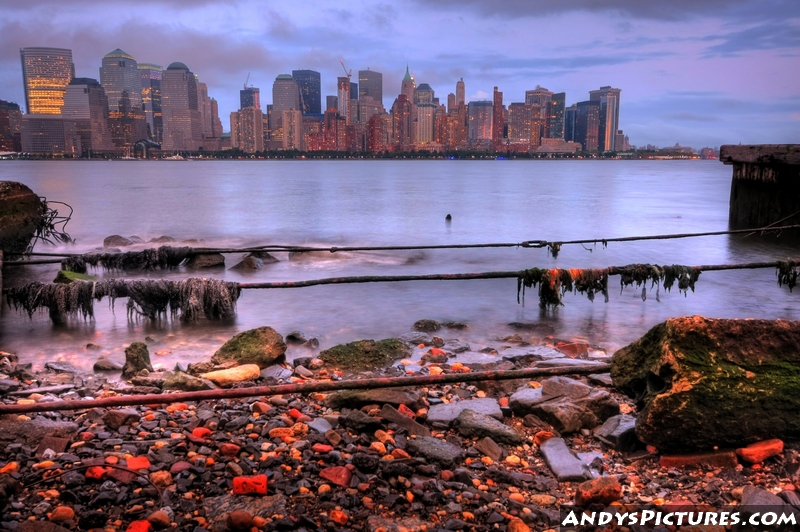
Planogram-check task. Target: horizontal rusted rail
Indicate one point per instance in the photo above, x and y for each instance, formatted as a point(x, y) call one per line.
point(303, 388)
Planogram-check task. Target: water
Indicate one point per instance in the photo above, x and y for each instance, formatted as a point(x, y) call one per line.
point(237, 203)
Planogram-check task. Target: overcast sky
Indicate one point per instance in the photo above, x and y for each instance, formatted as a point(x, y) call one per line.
point(697, 72)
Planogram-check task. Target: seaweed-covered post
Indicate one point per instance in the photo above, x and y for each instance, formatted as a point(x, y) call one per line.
point(765, 188)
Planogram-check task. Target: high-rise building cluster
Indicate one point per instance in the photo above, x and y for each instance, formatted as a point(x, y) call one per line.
point(134, 101)
point(131, 102)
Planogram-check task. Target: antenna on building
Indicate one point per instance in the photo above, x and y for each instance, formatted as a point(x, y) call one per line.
point(348, 72)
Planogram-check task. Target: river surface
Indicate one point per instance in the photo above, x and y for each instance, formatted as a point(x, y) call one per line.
point(344, 203)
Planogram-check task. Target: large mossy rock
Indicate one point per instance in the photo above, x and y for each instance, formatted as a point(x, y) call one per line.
point(137, 358)
point(365, 354)
point(262, 346)
point(701, 382)
point(20, 214)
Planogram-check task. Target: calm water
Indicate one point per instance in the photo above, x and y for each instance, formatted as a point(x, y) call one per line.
point(399, 202)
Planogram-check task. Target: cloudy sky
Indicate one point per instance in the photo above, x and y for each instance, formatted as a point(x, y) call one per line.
point(697, 72)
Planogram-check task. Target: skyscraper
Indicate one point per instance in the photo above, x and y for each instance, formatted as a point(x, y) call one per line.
point(10, 126)
point(247, 126)
point(402, 124)
point(46, 72)
point(557, 115)
point(285, 97)
point(543, 98)
point(498, 121)
point(151, 99)
point(408, 85)
point(426, 120)
point(85, 103)
point(331, 102)
point(570, 114)
point(460, 92)
point(310, 90)
point(183, 126)
point(587, 124)
point(609, 116)
point(204, 104)
point(480, 124)
point(423, 94)
point(250, 97)
point(370, 83)
point(343, 97)
point(119, 73)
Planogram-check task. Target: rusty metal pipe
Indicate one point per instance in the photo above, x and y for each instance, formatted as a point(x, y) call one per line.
point(306, 387)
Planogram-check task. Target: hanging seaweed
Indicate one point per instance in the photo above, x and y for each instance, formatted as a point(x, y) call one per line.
point(685, 275)
point(639, 274)
point(164, 258)
point(528, 279)
point(787, 274)
point(75, 264)
point(553, 248)
point(152, 298)
point(590, 282)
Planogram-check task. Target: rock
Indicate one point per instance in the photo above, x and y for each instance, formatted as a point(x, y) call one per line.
point(488, 447)
point(65, 277)
point(359, 421)
point(184, 382)
point(262, 346)
point(218, 508)
point(544, 329)
point(570, 362)
point(618, 432)
point(568, 405)
point(239, 520)
point(20, 216)
point(435, 450)
point(444, 414)
point(603, 490)
point(695, 379)
point(8, 385)
point(517, 525)
point(416, 338)
point(137, 358)
point(755, 453)
point(114, 419)
point(41, 526)
point(471, 424)
point(601, 379)
point(456, 346)
point(710, 459)
point(304, 372)
point(392, 415)
point(366, 462)
point(61, 514)
point(358, 398)
point(398, 524)
point(265, 257)
point(426, 325)
point(163, 239)
point(205, 260)
point(365, 354)
point(249, 264)
point(61, 367)
point(116, 241)
point(35, 430)
point(565, 466)
point(227, 377)
point(338, 475)
point(105, 364)
point(524, 356)
point(320, 425)
point(277, 372)
point(159, 519)
point(754, 498)
point(296, 338)
point(253, 485)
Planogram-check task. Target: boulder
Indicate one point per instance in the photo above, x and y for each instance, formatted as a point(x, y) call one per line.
point(184, 382)
point(565, 466)
point(471, 424)
point(426, 325)
point(618, 432)
point(444, 414)
point(358, 398)
point(105, 364)
point(206, 260)
point(33, 431)
point(701, 383)
point(262, 346)
point(116, 241)
point(249, 264)
point(137, 358)
point(227, 377)
point(365, 354)
point(568, 405)
point(264, 256)
point(20, 215)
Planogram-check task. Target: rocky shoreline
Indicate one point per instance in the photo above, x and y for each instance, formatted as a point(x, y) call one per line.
point(497, 455)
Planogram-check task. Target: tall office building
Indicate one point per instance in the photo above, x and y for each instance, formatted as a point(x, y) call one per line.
point(609, 116)
point(480, 124)
point(46, 72)
point(216, 122)
point(569, 122)
point(370, 83)
point(402, 124)
point(310, 91)
point(523, 126)
point(250, 97)
point(331, 102)
point(151, 99)
point(86, 104)
point(544, 99)
point(204, 104)
point(425, 125)
point(557, 115)
point(247, 129)
point(10, 126)
point(183, 126)
point(119, 74)
point(285, 97)
point(408, 85)
point(587, 125)
point(423, 94)
point(50, 134)
point(293, 138)
point(498, 119)
point(460, 92)
point(343, 98)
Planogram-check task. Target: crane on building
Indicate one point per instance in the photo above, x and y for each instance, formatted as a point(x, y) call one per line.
point(347, 72)
point(246, 80)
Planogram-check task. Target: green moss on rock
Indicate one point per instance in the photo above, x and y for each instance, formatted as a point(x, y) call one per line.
point(365, 354)
point(65, 277)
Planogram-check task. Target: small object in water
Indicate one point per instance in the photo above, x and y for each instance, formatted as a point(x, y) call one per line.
point(448, 218)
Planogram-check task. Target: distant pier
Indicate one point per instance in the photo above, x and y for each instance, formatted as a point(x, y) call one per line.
point(765, 188)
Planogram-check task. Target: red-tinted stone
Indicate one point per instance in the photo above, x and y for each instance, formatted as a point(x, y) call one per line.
point(120, 475)
point(574, 349)
point(179, 467)
point(139, 526)
point(321, 448)
point(194, 439)
point(603, 490)
point(542, 436)
point(437, 351)
point(338, 475)
point(403, 409)
point(228, 449)
point(338, 517)
point(96, 472)
point(261, 408)
point(239, 520)
point(713, 459)
point(255, 485)
point(138, 462)
point(447, 475)
point(755, 453)
point(295, 413)
point(86, 436)
point(201, 432)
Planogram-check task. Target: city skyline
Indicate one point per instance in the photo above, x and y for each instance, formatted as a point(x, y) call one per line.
point(690, 75)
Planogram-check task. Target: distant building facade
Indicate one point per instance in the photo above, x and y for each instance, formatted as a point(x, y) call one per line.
point(151, 99)
point(10, 126)
point(608, 119)
point(50, 134)
point(310, 87)
point(46, 72)
point(85, 103)
point(183, 125)
point(370, 84)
